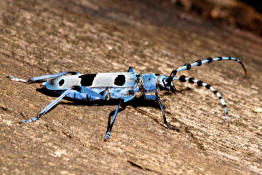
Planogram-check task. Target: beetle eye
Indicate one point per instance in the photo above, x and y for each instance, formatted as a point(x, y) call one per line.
point(61, 82)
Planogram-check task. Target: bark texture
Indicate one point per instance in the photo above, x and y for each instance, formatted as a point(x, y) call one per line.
point(43, 37)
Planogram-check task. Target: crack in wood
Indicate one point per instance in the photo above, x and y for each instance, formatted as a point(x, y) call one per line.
point(141, 167)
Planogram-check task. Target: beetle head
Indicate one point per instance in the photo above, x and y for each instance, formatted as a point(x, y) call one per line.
point(165, 84)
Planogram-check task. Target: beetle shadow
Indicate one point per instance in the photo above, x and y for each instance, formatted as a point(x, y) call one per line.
point(137, 101)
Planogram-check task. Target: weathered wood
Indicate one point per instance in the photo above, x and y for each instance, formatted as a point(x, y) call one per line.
point(42, 37)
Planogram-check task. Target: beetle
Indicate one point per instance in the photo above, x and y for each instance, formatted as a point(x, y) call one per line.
point(121, 86)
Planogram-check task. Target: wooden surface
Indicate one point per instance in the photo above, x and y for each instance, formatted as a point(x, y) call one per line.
point(43, 37)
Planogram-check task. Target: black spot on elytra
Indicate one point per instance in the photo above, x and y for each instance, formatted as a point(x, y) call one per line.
point(87, 79)
point(120, 80)
point(61, 82)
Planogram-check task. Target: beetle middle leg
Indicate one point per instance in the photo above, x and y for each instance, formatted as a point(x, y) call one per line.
point(111, 122)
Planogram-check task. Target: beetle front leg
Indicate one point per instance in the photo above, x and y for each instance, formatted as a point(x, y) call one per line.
point(159, 101)
point(164, 116)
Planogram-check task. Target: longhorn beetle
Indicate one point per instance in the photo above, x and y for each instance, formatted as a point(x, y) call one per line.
point(122, 86)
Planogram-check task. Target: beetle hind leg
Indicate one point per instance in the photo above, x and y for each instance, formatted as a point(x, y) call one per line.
point(159, 101)
point(47, 108)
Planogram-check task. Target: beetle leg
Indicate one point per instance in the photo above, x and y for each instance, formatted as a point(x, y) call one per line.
point(41, 78)
point(164, 116)
point(47, 108)
point(111, 123)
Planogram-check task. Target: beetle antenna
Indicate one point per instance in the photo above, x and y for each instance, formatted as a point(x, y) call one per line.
point(188, 66)
point(200, 83)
